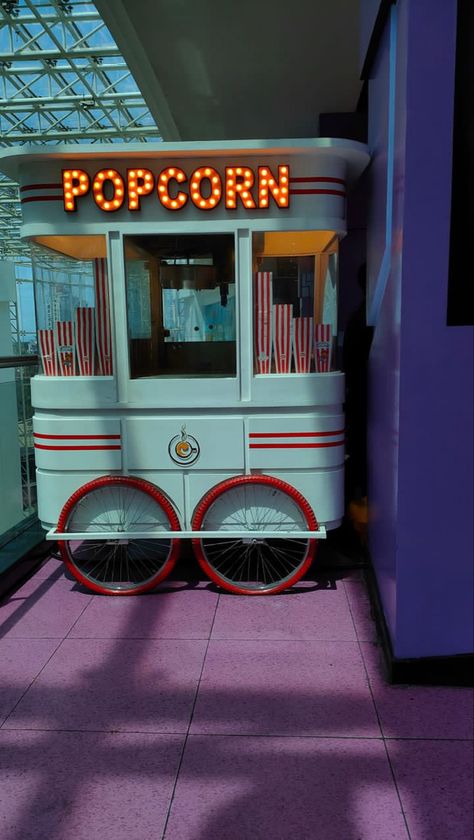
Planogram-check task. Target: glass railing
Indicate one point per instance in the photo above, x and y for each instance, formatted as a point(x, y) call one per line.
point(18, 507)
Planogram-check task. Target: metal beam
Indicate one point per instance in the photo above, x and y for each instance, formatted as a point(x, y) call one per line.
point(65, 54)
point(105, 68)
point(80, 134)
point(26, 103)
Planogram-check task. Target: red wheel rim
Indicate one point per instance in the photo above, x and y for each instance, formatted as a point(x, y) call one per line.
point(270, 481)
point(110, 481)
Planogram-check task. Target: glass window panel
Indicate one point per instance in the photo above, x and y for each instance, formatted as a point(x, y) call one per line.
point(181, 305)
point(72, 305)
point(295, 301)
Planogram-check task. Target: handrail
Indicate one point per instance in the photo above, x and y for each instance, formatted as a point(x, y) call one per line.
point(18, 361)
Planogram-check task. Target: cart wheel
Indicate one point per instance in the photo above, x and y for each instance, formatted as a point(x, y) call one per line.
point(115, 566)
point(254, 566)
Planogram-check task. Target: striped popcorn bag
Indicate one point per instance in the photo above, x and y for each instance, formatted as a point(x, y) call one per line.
point(302, 343)
point(282, 322)
point(85, 340)
point(47, 346)
point(66, 348)
point(263, 321)
point(103, 330)
point(322, 347)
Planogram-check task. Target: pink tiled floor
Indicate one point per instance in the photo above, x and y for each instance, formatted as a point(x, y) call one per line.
point(189, 715)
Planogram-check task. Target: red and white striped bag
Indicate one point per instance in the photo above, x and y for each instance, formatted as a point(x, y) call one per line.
point(263, 321)
point(85, 340)
point(302, 343)
point(322, 347)
point(282, 322)
point(47, 346)
point(102, 318)
point(66, 349)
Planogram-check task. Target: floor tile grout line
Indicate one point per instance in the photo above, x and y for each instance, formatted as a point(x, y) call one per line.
point(189, 639)
point(384, 740)
point(253, 735)
point(362, 584)
point(392, 771)
point(350, 611)
point(165, 827)
point(78, 617)
point(391, 768)
point(60, 642)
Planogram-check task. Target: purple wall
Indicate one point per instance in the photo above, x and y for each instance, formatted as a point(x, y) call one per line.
point(384, 238)
point(421, 371)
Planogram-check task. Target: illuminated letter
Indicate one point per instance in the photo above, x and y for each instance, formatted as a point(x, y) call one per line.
point(75, 182)
point(139, 182)
point(238, 182)
point(215, 191)
point(279, 189)
point(108, 204)
point(170, 174)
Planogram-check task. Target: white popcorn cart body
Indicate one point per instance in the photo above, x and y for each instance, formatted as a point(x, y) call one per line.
point(186, 302)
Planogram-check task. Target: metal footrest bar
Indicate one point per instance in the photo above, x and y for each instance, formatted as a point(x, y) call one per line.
point(320, 534)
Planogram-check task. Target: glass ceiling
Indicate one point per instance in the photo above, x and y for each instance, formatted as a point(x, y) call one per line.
point(62, 80)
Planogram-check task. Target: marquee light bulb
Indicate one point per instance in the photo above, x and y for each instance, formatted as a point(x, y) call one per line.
point(239, 185)
point(115, 179)
point(75, 183)
point(168, 199)
point(212, 177)
point(140, 182)
point(243, 187)
point(269, 184)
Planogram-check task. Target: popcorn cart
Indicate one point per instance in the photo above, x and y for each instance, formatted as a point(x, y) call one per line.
point(186, 300)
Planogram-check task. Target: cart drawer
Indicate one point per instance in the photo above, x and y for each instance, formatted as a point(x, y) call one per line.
point(215, 443)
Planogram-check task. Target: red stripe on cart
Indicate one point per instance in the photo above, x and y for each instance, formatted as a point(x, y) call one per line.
point(47, 346)
point(102, 318)
point(72, 448)
point(85, 344)
point(302, 343)
point(263, 321)
point(66, 348)
point(76, 437)
point(317, 180)
point(41, 198)
point(282, 317)
point(296, 445)
point(29, 187)
point(294, 434)
point(318, 192)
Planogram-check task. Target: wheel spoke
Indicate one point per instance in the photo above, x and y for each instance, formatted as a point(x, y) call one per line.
point(259, 564)
point(118, 565)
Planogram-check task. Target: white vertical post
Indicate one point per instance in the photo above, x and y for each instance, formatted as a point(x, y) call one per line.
point(118, 304)
point(245, 321)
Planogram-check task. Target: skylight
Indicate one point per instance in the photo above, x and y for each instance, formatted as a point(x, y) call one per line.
point(62, 80)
